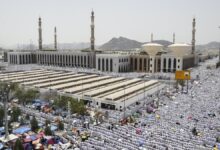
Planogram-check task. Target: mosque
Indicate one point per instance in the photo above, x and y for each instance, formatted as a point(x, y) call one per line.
point(151, 58)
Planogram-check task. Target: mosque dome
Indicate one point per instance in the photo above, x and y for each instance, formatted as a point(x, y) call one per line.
point(152, 48)
point(180, 49)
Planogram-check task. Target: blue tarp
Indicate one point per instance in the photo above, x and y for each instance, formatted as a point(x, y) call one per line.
point(2, 129)
point(33, 137)
point(53, 128)
point(21, 130)
point(39, 102)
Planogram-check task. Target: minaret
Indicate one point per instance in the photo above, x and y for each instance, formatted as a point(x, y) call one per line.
point(40, 34)
point(55, 38)
point(152, 37)
point(174, 36)
point(193, 35)
point(92, 39)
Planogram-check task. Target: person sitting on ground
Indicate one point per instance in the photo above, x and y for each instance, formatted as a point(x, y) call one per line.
point(194, 131)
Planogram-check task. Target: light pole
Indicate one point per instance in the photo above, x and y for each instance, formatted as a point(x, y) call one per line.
point(144, 87)
point(124, 101)
point(5, 97)
point(219, 49)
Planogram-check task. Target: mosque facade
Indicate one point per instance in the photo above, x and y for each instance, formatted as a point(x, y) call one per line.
point(152, 57)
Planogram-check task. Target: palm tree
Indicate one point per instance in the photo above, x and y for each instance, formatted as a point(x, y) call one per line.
point(18, 145)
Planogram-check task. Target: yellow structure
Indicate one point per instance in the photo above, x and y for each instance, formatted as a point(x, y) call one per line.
point(182, 75)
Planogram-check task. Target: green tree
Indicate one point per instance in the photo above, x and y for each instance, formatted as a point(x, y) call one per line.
point(62, 101)
point(47, 131)
point(30, 95)
point(60, 125)
point(18, 145)
point(34, 124)
point(27, 117)
point(19, 93)
point(8, 88)
point(78, 107)
point(49, 95)
point(26, 96)
point(1, 115)
point(16, 112)
point(22, 121)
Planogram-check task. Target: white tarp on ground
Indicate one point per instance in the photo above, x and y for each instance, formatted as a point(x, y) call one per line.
point(11, 137)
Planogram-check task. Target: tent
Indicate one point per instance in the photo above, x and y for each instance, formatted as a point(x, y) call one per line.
point(51, 141)
point(53, 128)
point(21, 130)
point(2, 129)
point(11, 137)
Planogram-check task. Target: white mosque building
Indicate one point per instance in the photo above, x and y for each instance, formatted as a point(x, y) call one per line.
point(152, 57)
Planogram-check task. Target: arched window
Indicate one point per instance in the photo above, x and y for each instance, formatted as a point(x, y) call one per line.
point(99, 64)
point(140, 64)
point(26, 59)
point(20, 59)
point(135, 64)
point(169, 65)
point(148, 64)
point(158, 65)
point(106, 64)
point(78, 62)
point(81, 61)
point(145, 64)
point(103, 64)
point(164, 65)
point(23, 58)
point(131, 63)
point(174, 64)
point(88, 61)
point(72, 60)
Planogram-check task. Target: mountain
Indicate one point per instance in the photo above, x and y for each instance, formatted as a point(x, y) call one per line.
point(123, 43)
point(210, 45)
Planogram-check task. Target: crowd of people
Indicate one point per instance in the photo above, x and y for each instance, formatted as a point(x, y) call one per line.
point(171, 119)
point(183, 120)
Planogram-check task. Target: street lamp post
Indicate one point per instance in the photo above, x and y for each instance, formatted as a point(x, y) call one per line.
point(144, 87)
point(219, 48)
point(5, 97)
point(124, 101)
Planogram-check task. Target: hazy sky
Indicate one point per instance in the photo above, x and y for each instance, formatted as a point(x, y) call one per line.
point(135, 19)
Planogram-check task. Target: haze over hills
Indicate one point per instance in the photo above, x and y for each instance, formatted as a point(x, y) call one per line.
point(63, 46)
point(210, 45)
point(123, 43)
point(120, 43)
